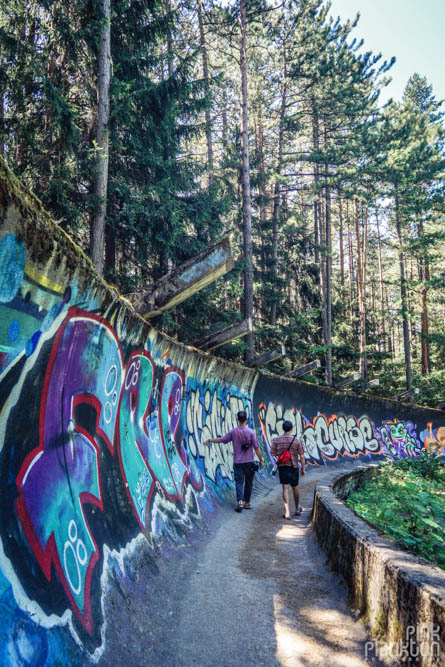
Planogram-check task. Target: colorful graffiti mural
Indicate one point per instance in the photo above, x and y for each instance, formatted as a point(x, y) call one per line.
point(102, 425)
point(434, 439)
point(211, 413)
point(62, 475)
point(326, 438)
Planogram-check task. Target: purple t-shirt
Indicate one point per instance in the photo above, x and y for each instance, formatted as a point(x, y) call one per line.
point(238, 436)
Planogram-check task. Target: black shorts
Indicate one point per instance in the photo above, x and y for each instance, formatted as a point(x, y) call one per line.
point(289, 475)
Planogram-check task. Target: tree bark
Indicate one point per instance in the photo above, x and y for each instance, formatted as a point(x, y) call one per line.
point(350, 265)
point(424, 276)
point(360, 293)
point(382, 296)
point(263, 205)
point(110, 249)
point(404, 296)
point(97, 229)
point(341, 242)
point(276, 201)
point(316, 147)
point(328, 272)
point(245, 184)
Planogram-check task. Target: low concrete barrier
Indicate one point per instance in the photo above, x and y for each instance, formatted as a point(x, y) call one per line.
point(399, 595)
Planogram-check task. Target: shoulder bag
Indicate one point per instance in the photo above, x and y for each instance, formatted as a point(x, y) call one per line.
point(285, 457)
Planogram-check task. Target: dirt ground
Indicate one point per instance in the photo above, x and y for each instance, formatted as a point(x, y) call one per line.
point(261, 594)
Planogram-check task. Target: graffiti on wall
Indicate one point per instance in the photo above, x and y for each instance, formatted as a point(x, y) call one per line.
point(102, 448)
point(399, 438)
point(434, 438)
point(325, 438)
point(91, 403)
point(210, 413)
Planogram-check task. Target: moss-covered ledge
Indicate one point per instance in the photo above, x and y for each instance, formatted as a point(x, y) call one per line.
point(399, 595)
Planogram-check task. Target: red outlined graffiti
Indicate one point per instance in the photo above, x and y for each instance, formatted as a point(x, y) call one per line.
point(62, 474)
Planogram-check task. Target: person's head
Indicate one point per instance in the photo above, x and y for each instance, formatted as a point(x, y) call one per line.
point(287, 426)
point(242, 416)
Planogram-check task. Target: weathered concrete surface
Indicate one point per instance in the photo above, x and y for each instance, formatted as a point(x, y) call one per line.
point(218, 338)
point(268, 357)
point(257, 593)
point(185, 280)
point(400, 596)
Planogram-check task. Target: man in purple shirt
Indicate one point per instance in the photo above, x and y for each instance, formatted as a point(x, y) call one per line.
point(244, 443)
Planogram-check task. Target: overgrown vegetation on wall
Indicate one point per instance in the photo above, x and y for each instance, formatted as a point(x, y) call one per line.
point(406, 501)
point(335, 203)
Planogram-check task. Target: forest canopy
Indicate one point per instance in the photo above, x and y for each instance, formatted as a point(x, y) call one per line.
point(151, 129)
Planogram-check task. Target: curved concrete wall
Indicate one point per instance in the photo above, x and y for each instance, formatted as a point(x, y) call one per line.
point(400, 596)
point(102, 421)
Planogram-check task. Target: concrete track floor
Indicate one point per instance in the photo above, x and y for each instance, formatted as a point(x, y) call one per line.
point(261, 594)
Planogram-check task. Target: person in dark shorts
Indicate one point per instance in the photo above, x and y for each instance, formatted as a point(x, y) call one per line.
point(289, 473)
point(245, 442)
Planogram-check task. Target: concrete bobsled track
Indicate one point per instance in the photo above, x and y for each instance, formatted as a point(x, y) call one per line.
point(103, 471)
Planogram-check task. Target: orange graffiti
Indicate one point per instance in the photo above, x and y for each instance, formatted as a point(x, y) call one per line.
point(436, 441)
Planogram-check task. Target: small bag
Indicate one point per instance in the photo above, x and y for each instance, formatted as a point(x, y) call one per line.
point(245, 445)
point(285, 457)
point(255, 466)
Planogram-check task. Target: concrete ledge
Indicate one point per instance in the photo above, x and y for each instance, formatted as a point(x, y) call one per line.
point(399, 595)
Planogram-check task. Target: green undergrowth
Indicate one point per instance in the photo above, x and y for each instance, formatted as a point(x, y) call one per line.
point(406, 501)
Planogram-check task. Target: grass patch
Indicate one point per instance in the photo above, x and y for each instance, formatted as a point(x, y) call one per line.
point(405, 500)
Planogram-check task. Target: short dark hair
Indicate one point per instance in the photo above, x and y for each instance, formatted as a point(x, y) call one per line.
point(287, 426)
point(242, 416)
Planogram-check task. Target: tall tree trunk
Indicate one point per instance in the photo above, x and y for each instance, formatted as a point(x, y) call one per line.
point(360, 292)
point(276, 202)
point(341, 242)
point(110, 249)
point(245, 183)
point(263, 205)
point(328, 271)
point(424, 276)
point(97, 230)
point(316, 148)
point(382, 297)
point(391, 338)
point(350, 265)
point(404, 296)
point(208, 113)
point(413, 332)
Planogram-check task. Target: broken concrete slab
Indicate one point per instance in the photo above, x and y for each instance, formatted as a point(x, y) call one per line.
point(184, 280)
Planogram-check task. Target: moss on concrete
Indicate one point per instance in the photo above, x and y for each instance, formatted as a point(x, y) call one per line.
point(40, 234)
point(379, 627)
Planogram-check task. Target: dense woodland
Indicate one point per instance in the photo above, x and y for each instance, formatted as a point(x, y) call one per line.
point(153, 128)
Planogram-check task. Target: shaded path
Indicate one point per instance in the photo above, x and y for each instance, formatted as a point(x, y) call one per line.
point(261, 595)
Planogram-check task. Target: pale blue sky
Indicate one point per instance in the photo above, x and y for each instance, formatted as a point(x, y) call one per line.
point(411, 30)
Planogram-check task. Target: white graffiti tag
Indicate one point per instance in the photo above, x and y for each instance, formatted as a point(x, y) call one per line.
point(324, 437)
point(210, 416)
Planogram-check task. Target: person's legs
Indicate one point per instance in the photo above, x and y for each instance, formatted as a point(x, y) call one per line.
point(239, 482)
point(286, 500)
point(248, 482)
point(296, 498)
